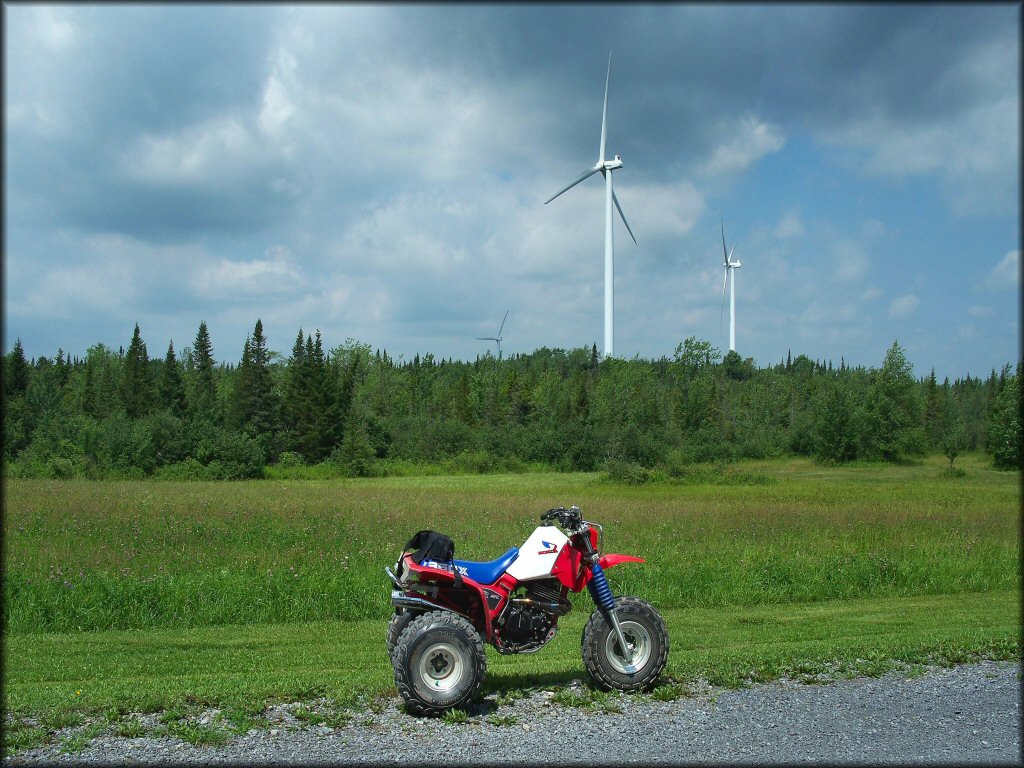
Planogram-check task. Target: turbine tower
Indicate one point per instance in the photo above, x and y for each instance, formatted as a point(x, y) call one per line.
point(498, 337)
point(730, 267)
point(605, 167)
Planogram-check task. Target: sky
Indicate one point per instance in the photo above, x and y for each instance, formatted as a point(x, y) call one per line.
point(378, 173)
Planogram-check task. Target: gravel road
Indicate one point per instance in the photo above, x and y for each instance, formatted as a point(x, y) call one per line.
point(967, 714)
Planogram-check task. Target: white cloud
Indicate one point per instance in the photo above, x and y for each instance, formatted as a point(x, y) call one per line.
point(903, 306)
point(1006, 274)
point(789, 226)
point(982, 311)
point(752, 139)
point(851, 262)
point(198, 153)
point(871, 293)
point(226, 279)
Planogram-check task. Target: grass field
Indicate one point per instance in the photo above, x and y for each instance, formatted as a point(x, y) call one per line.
point(149, 595)
point(89, 555)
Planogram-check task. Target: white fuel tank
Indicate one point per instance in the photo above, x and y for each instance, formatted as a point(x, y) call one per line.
point(537, 556)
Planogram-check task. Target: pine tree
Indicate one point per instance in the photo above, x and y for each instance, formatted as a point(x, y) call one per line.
point(934, 419)
point(253, 408)
point(1004, 429)
point(355, 454)
point(296, 395)
point(834, 438)
point(17, 372)
point(172, 389)
point(203, 392)
point(460, 406)
point(136, 389)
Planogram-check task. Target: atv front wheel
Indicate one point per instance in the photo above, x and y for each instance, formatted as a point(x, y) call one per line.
point(645, 633)
point(439, 663)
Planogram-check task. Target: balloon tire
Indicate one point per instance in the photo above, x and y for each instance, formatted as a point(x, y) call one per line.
point(596, 641)
point(456, 638)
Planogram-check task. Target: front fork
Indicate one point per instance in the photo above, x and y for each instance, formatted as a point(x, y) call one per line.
point(602, 594)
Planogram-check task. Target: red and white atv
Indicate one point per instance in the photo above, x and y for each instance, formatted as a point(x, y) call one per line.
point(445, 609)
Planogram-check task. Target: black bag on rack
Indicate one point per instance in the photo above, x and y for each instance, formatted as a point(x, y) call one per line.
point(431, 545)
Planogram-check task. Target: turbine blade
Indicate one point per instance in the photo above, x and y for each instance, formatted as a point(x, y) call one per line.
point(486, 338)
point(731, 252)
point(615, 199)
point(721, 313)
point(724, 253)
point(604, 112)
point(586, 174)
point(502, 323)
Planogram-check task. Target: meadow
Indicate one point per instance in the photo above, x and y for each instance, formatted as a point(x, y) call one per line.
point(95, 555)
point(159, 594)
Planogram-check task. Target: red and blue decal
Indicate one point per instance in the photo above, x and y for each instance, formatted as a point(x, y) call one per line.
point(551, 548)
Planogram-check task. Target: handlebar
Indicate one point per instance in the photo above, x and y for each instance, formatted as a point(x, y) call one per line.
point(570, 519)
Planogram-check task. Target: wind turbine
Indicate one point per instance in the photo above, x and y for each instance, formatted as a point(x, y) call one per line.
point(498, 337)
point(605, 167)
point(730, 267)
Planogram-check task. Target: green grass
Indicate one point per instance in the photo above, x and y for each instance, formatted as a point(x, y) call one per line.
point(245, 667)
point(94, 555)
point(136, 596)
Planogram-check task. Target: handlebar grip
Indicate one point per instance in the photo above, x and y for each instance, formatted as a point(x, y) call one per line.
point(552, 513)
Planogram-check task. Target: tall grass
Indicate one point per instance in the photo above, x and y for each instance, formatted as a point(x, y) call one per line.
point(118, 555)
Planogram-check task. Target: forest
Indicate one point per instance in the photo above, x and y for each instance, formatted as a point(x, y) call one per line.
point(352, 411)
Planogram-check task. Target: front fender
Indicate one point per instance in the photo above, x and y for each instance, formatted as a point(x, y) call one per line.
point(607, 561)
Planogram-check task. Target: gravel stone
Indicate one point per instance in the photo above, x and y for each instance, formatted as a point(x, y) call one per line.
point(967, 714)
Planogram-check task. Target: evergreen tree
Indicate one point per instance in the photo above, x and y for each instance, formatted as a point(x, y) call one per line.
point(203, 400)
point(834, 439)
point(17, 372)
point(355, 454)
point(934, 418)
point(460, 406)
point(172, 388)
point(137, 389)
point(102, 371)
point(1005, 424)
point(296, 398)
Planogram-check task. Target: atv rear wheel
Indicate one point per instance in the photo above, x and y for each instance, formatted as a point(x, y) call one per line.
point(439, 663)
point(646, 635)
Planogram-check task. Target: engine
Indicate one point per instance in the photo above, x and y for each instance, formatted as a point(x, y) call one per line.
point(529, 621)
point(525, 624)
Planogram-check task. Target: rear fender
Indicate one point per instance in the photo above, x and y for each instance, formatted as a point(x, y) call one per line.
point(469, 601)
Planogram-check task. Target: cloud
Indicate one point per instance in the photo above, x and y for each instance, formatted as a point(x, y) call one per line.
point(752, 139)
point(851, 261)
point(1005, 275)
point(230, 280)
point(903, 306)
point(789, 226)
point(960, 129)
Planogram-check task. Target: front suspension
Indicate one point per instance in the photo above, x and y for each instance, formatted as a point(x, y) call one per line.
point(602, 594)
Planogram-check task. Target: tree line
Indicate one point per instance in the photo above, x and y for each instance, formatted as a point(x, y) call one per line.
point(359, 412)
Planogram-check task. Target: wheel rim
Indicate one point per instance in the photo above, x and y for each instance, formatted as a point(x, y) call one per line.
point(639, 641)
point(441, 667)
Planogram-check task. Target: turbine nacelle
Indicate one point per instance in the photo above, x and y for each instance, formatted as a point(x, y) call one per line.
point(611, 165)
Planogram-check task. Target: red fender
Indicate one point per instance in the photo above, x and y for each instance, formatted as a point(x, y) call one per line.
point(568, 571)
point(607, 561)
